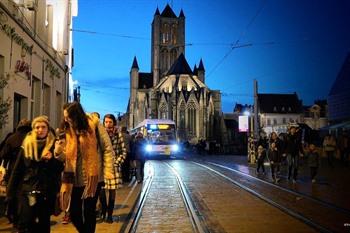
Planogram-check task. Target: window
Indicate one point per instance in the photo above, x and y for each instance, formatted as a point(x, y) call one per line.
point(275, 109)
point(173, 56)
point(163, 112)
point(59, 101)
point(46, 100)
point(182, 112)
point(274, 121)
point(165, 34)
point(268, 122)
point(191, 111)
point(19, 108)
point(284, 120)
point(173, 33)
point(35, 98)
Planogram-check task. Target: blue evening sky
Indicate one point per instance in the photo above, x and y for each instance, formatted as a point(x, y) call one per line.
point(294, 46)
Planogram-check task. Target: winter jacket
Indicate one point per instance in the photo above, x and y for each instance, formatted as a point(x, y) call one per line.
point(40, 176)
point(313, 159)
point(274, 156)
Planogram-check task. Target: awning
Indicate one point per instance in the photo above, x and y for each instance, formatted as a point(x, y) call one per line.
point(342, 125)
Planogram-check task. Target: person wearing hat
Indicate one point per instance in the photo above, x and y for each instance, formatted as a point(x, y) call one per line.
point(35, 178)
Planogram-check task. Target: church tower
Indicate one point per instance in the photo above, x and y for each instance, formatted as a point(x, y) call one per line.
point(168, 41)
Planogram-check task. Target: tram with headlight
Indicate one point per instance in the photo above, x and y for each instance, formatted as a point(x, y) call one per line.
point(160, 135)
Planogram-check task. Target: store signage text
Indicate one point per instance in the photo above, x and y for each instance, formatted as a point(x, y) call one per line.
point(11, 32)
point(22, 66)
point(54, 71)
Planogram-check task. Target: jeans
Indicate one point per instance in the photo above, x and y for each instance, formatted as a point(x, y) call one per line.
point(293, 164)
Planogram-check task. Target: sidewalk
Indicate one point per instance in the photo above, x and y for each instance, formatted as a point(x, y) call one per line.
point(125, 199)
point(332, 183)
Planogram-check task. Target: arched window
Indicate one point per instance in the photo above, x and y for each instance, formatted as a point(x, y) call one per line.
point(182, 120)
point(163, 61)
point(165, 33)
point(173, 56)
point(191, 111)
point(163, 112)
point(173, 33)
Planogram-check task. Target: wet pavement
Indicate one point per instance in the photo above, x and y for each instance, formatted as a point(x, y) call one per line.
point(332, 183)
point(332, 186)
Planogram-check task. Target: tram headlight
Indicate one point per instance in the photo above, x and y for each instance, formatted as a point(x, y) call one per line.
point(148, 148)
point(175, 147)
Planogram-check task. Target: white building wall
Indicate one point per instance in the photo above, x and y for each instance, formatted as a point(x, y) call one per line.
point(38, 72)
point(277, 123)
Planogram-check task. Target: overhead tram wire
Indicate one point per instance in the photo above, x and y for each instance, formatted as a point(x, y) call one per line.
point(236, 44)
point(110, 34)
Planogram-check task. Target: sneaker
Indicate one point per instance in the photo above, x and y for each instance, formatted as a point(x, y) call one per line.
point(66, 219)
point(313, 181)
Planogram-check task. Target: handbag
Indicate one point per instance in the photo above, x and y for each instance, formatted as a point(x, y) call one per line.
point(3, 184)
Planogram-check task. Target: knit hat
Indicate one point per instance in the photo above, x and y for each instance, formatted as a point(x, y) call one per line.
point(41, 118)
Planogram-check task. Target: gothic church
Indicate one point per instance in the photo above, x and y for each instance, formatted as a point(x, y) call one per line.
point(172, 90)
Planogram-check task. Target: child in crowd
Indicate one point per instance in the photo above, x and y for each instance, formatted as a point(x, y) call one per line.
point(260, 159)
point(313, 161)
point(273, 155)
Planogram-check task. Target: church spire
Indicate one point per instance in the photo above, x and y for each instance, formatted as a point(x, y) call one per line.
point(168, 12)
point(182, 14)
point(134, 64)
point(157, 12)
point(201, 66)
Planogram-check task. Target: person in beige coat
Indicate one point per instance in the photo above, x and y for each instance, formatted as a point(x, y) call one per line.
point(88, 157)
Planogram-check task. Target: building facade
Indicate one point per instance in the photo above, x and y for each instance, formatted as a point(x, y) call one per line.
point(172, 90)
point(35, 58)
point(277, 111)
point(316, 116)
point(339, 95)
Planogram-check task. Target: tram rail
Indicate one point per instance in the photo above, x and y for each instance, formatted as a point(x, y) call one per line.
point(314, 220)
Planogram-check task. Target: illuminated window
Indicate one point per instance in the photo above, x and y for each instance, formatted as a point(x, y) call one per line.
point(182, 123)
point(163, 111)
point(191, 111)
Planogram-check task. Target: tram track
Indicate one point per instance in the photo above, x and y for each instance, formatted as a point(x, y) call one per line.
point(131, 225)
point(312, 211)
point(300, 194)
point(198, 226)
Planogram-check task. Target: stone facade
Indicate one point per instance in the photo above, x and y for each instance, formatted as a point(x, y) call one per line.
point(173, 90)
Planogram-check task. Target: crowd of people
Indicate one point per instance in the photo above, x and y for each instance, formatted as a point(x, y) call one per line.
point(73, 169)
point(290, 148)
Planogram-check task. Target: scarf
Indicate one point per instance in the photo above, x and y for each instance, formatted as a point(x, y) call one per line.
point(89, 153)
point(112, 131)
point(31, 145)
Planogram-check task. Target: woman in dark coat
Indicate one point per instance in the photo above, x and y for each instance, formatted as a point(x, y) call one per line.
point(9, 154)
point(35, 178)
